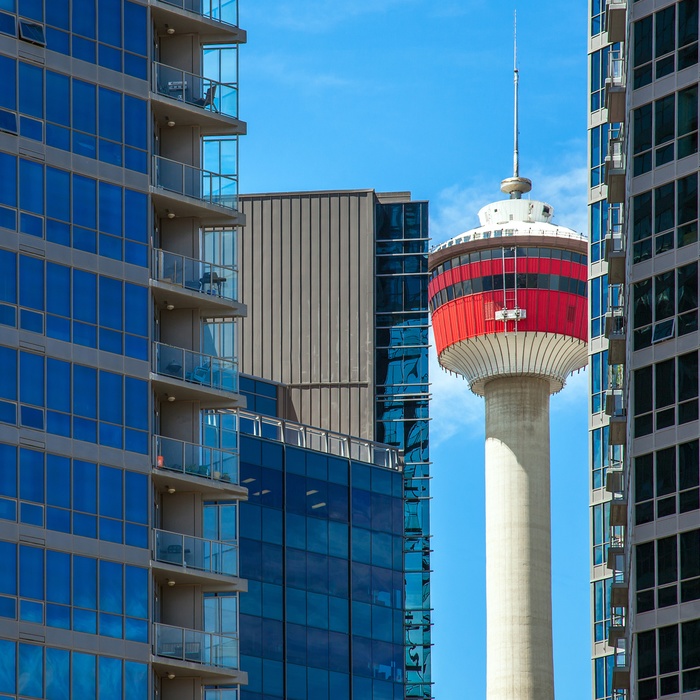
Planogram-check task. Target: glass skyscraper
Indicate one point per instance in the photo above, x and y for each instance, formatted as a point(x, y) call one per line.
point(645, 478)
point(119, 481)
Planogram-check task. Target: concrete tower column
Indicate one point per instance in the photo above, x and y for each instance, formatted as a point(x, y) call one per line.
point(518, 540)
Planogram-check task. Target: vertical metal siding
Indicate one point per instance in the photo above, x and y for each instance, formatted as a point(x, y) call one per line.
point(307, 276)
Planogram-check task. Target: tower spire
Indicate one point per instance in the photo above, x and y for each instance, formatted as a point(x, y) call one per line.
point(515, 186)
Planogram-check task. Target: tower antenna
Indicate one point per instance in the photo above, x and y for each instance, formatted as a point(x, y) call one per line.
point(516, 163)
point(515, 186)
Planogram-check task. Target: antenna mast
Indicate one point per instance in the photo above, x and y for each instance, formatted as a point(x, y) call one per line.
point(516, 163)
point(515, 186)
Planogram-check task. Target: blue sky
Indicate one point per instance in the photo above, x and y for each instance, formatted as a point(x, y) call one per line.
point(417, 95)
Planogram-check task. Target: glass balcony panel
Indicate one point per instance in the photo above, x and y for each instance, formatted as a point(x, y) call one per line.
point(225, 11)
point(169, 548)
point(170, 361)
point(170, 641)
point(196, 553)
point(195, 275)
point(195, 90)
point(196, 460)
point(187, 180)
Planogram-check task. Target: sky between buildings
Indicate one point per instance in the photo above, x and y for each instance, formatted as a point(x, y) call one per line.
point(417, 95)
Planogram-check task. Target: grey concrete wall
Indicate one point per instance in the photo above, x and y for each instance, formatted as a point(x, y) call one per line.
point(518, 541)
point(307, 276)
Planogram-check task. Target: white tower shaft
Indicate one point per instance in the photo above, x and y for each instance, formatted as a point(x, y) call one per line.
point(518, 540)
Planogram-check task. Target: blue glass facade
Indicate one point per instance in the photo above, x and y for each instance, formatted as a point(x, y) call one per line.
point(402, 412)
point(322, 548)
point(120, 550)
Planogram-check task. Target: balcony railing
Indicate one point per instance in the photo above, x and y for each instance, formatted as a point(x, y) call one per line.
point(225, 11)
point(195, 90)
point(317, 439)
point(195, 275)
point(196, 647)
point(196, 553)
point(616, 70)
point(616, 152)
point(189, 181)
point(195, 460)
point(195, 368)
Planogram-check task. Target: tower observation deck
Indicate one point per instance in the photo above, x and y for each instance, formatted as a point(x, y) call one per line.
point(509, 315)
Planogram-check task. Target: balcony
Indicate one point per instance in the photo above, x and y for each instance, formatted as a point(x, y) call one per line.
point(616, 20)
point(320, 440)
point(181, 282)
point(192, 559)
point(616, 168)
point(616, 409)
point(616, 89)
point(619, 588)
point(193, 100)
point(177, 649)
point(615, 253)
point(215, 21)
point(192, 376)
point(615, 332)
point(618, 504)
point(621, 669)
point(186, 191)
point(618, 626)
point(185, 466)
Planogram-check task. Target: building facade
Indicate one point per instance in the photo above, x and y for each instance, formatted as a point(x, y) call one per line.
point(644, 348)
point(118, 216)
point(336, 284)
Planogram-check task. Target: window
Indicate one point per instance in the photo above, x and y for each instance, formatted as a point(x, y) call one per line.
point(32, 33)
point(671, 398)
point(656, 126)
point(665, 41)
point(665, 305)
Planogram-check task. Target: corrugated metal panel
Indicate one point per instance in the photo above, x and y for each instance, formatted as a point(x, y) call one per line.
point(307, 276)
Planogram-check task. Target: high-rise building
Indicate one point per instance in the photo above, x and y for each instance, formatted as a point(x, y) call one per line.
point(645, 497)
point(508, 302)
point(336, 286)
point(119, 468)
point(120, 406)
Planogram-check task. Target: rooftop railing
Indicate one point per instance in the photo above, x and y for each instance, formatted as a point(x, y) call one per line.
point(189, 181)
point(195, 275)
point(195, 90)
point(225, 11)
point(319, 440)
point(195, 460)
point(195, 368)
point(196, 647)
point(210, 556)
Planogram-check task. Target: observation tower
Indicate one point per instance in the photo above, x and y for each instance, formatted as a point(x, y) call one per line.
point(509, 315)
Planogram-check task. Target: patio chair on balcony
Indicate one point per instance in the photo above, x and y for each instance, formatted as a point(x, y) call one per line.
point(208, 99)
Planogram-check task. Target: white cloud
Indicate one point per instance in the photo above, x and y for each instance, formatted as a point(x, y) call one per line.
point(456, 208)
point(454, 408)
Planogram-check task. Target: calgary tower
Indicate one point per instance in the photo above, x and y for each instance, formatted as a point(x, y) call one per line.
point(509, 315)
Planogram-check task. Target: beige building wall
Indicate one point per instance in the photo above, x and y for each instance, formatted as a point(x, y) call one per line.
point(307, 277)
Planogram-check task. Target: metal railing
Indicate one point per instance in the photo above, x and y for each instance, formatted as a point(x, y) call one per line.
point(189, 181)
point(616, 70)
point(617, 3)
point(615, 321)
point(615, 238)
point(196, 647)
point(615, 405)
point(195, 90)
point(319, 440)
point(210, 556)
point(225, 11)
point(195, 460)
point(195, 275)
point(616, 150)
point(195, 368)
point(621, 653)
